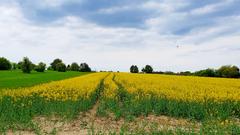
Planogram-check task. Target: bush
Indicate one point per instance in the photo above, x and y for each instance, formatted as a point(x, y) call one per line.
point(134, 69)
point(55, 62)
point(229, 71)
point(74, 67)
point(40, 67)
point(26, 65)
point(5, 64)
point(84, 67)
point(61, 67)
point(147, 69)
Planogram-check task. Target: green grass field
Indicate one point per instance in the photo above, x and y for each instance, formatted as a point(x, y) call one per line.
point(15, 78)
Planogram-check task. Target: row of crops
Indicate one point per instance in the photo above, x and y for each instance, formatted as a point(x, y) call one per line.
point(66, 98)
point(125, 95)
point(189, 97)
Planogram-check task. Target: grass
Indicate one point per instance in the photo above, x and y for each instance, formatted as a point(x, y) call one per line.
point(15, 78)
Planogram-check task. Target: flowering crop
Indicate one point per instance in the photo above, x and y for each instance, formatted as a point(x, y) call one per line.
point(65, 98)
point(178, 96)
point(181, 87)
point(69, 89)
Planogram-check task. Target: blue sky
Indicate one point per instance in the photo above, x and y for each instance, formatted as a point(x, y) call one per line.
point(111, 35)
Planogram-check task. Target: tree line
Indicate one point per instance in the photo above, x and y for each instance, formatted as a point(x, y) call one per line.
point(57, 65)
point(226, 71)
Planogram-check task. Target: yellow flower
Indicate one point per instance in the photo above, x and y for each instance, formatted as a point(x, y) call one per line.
point(186, 88)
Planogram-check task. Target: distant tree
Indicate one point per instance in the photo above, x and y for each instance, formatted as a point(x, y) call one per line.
point(74, 67)
point(68, 67)
point(206, 72)
point(19, 65)
point(49, 68)
point(55, 62)
point(84, 67)
point(187, 73)
point(61, 67)
point(147, 69)
point(40, 67)
point(26, 65)
point(14, 66)
point(5, 64)
point(33, 66)
point(229, 71)
point(169, 73)
point(134, 69)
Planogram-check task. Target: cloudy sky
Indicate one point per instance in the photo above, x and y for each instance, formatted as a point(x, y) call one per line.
point(114, 34)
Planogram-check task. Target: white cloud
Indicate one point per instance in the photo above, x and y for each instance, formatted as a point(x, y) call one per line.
point(211, 8)
point(166, 6)
point(74, 39)
point(54, 3)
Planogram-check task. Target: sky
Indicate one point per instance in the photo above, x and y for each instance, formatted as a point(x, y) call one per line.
point(169, 35)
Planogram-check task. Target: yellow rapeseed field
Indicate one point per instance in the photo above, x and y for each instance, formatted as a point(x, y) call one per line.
point(185, 88)
point(69, 89)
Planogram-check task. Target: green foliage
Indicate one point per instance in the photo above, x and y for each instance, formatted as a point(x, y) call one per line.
point(50, 68)
point(23, 110)
point(134, 69)
point(68, 67)
point(55, 62)
point(229, 71)
point(224, 71)
point(5, 64)
point(84, 67)
point(147, 69)
point(61, 67)
point(26, 65)
point(14, 66)
point(19, 65)
point(185, 73)
point(40, 67)
point(74, 67)
point(207, 73)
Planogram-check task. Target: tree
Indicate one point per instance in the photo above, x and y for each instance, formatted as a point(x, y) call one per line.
point(26, 65)
point(19, 65)
point(49, 68)
point(40, 67)
point(14, 66)
point(186, 73)
point(61, 67)
point(74, 67)
point(84, 67)
point(229, 71)
point(33, 66)
point(207, 73)
point(68, 67)
point(55, 62)
point(147, 69)
point(134, 69)
point(5, 64)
